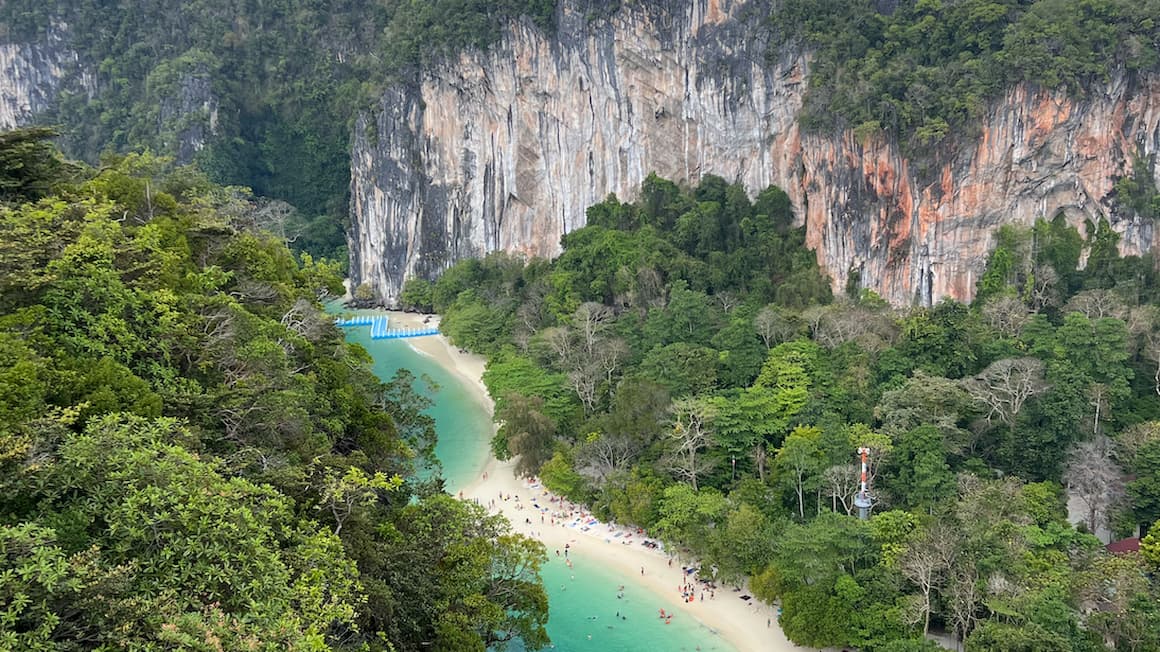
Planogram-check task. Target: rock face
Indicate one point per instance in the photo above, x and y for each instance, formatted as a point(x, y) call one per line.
point(30, 76)
point(188, 109)
point(505, 149)
point(35, 74)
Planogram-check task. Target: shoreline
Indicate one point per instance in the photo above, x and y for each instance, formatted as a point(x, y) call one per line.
point(747, 626)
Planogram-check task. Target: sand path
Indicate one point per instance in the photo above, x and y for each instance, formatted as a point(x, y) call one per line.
point(749, 626)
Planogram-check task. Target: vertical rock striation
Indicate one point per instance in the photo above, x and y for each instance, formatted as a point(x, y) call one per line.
point(35, 75)
point(31, 74)
point(505, 149)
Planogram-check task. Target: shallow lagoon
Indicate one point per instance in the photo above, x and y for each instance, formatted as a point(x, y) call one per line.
point(585, 613)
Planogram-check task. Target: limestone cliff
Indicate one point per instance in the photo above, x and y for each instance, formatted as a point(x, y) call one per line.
point(505, 149)
point(36, 73)
point(30, 76)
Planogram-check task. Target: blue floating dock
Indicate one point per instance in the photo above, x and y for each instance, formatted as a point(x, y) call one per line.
point(380, 327)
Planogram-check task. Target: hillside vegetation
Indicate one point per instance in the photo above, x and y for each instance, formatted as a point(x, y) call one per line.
point(190, 455)
point(286, 79)
point(925, 69)
point(682, 367)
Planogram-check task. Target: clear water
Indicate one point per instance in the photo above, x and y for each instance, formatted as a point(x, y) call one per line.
point(630, 624)
point(585, 614)
point(462, 424)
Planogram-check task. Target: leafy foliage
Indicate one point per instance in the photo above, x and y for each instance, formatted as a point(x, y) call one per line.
point(259, 95)
point(926, 69)
point(192, 457)
point(721, 408)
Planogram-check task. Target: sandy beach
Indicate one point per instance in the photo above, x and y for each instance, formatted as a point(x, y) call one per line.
point(750, 626)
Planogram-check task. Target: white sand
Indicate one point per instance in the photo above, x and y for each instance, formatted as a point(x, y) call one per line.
point(748, 626)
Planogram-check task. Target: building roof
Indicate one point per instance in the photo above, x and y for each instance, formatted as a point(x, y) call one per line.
point(1124, 545)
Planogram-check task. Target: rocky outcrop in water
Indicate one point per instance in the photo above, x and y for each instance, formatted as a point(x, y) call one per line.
point(505, 149)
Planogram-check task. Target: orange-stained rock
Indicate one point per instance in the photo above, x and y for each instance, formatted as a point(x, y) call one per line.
point(506, 150)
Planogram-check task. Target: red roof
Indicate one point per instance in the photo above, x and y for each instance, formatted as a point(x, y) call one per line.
point(1124, 545)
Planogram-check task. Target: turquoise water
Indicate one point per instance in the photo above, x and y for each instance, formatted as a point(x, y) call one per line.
point(575, 595)
point(461, 422)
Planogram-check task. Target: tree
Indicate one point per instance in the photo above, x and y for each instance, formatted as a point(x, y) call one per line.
point(341, 495)
point(836, 324)
point(963, 596)
point(786, 374)
point(1006, 315)
point(813, 574)
point(1113, 593)
point(691, 434)
point(742, 545)
point(29, 164)
point(1144, 491)
point(1150, 546)
point(418, 295)
point(741, 353)
point(466, 582)
point(799, 458)
point(169, 524)
point(688, 317)
point(1144, 324)
point(529, 432)
point(590, 321)
point(585, 352)
point(634, 423)
point(1097, 304)
point(1099, 349)
point(1006, 385)
point(682, 368)
point(842, 481)
point(685, 513)
point(408, 409)
point(509, 374)
point(776, 325)
point(925, 399)
point(926, 559)
point(753, 420)
point(1095, 479)
point(918, 473)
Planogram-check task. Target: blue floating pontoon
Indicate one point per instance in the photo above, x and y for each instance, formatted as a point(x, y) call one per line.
point(380, 327)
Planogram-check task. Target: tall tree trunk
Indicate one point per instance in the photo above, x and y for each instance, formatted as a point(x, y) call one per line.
point(926, 609)
point(801, 499)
